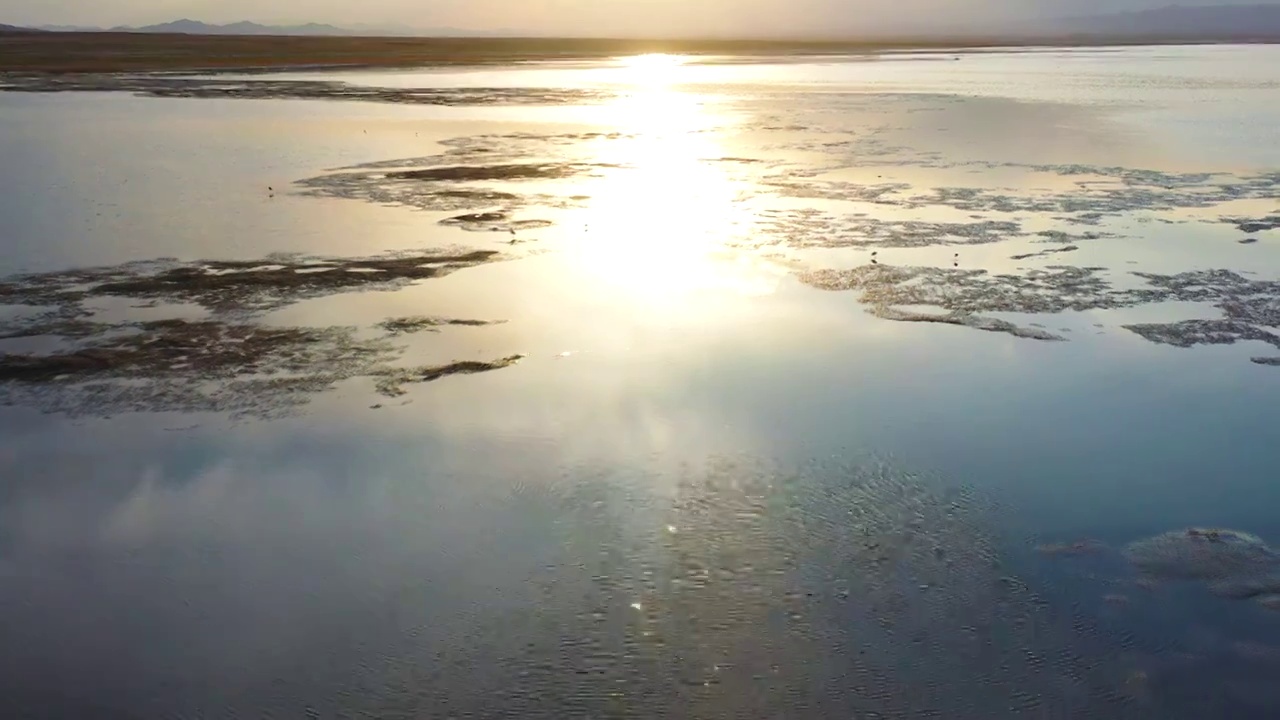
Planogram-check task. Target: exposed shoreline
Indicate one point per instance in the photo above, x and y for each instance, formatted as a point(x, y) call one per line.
point(49, 52)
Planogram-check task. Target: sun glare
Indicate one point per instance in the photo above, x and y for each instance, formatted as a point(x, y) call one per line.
point(659, 225)
point(653, 68)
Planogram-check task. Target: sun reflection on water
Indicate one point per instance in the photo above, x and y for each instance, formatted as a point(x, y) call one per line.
point(653, 68)
point(657, 226)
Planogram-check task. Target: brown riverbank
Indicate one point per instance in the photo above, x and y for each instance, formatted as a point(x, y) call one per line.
point(140, 52)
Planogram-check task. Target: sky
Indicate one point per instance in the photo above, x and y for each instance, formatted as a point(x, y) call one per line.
point(579, 17)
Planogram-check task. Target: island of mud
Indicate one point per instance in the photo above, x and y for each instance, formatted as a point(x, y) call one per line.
point(169, 86)
point(227, 361)
point(484, 176)
point(1231, 564)
point(1250, 308)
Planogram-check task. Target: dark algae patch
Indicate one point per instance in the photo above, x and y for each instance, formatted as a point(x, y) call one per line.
point(517, 171)
point(239, 284)
point(1189, 333)
point(965, 319)
point(493, 222)
point(482, 218)
point(163, 86)
point(481, 175)
point(1250, 308)
point(1051, 290)
point(1044, 253)
point(391, 382)
point(483, 196)
point(243, 285)
point(244, 369)
point(965, 294)
point(410, 325)
point(1250, 226)
point(210, 349)
point(813, 228)
point(229, 361)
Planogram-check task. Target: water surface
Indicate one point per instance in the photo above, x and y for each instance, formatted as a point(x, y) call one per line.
point(812, 356)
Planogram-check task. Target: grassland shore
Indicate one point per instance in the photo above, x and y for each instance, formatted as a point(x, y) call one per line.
point(47, 52)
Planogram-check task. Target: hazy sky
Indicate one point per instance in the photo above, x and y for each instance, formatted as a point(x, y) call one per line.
point(586, 17)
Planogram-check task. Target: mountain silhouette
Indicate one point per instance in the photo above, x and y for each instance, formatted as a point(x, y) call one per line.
point(187, 26)
point(1223, 21)
point(195, 27)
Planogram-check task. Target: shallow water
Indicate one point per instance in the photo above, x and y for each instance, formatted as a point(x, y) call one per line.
point(713, 481)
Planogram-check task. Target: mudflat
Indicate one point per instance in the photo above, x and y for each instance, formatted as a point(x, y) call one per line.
point(140, 52)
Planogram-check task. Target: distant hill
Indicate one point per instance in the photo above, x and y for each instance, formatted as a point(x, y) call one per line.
point(68, 28)
point(1223, 21)
point(1208, 23)
point(400, 30)
point(13, 29)
point(195, 27)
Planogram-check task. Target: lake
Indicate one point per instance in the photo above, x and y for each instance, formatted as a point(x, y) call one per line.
point(657, 386)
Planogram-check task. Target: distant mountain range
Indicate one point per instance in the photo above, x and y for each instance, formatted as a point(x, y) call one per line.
point(14, 29)
point(1191, 22)
point(195, 27)
point(1200, 21)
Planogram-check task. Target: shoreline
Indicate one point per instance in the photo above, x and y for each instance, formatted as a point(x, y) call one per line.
point(95, 53)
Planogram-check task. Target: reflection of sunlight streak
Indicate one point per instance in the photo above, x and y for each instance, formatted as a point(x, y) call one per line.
point(652, 69)
point(656, 225)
